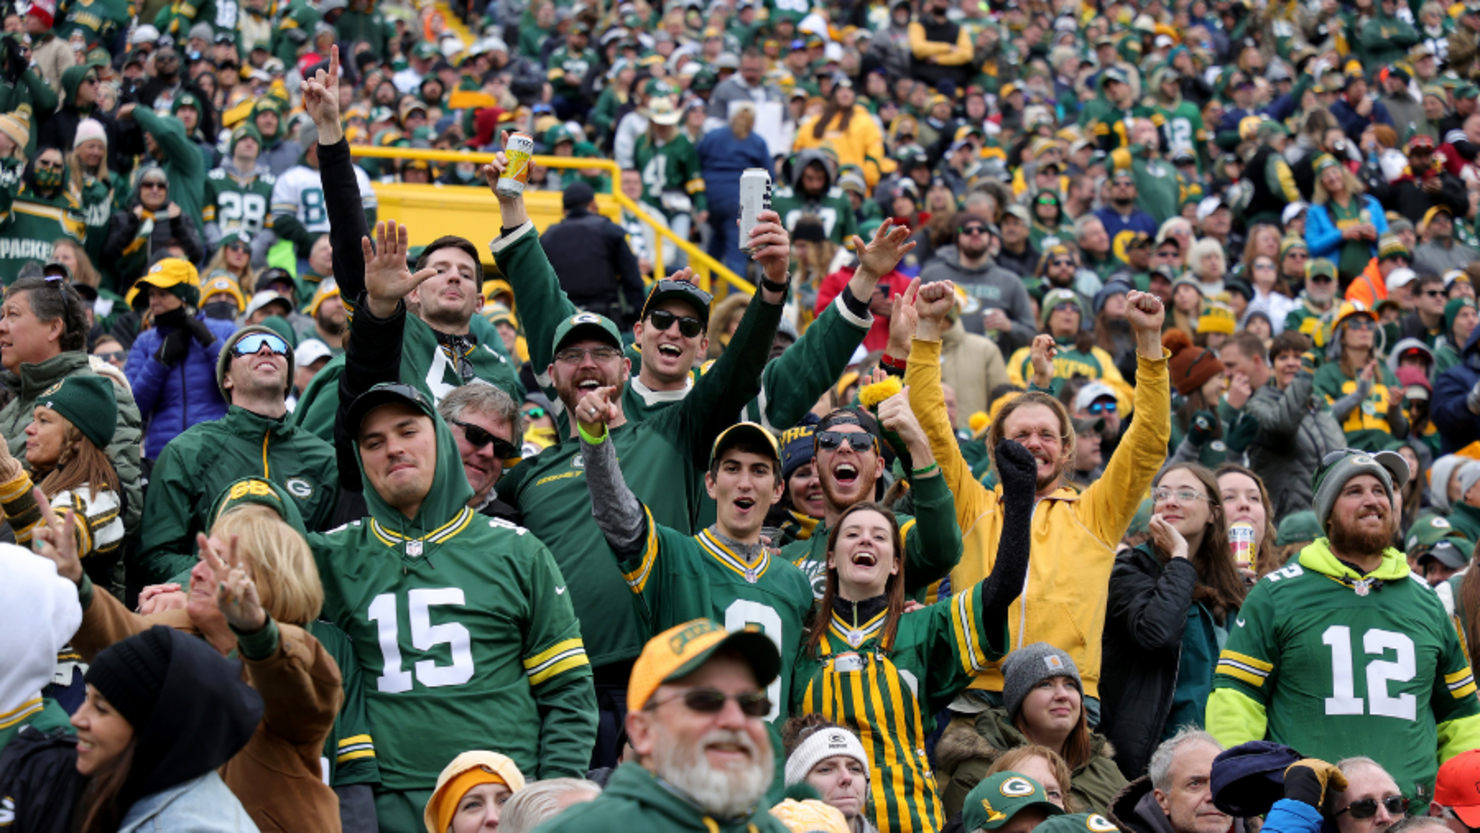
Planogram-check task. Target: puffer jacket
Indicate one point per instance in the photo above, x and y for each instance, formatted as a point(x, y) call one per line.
point(1451, 413)
point(1296, 430)
point(969, 745)
point(1074, 533)
point(172, 399)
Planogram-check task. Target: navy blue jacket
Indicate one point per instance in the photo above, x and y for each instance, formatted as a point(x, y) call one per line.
point(1451, 414)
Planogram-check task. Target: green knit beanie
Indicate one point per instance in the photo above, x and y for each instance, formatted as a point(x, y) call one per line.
point(88, 403)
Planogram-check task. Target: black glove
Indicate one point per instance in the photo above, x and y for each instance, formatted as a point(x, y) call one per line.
point(1309, 779)
point(15, 61)
point(173, 349)
point(200, 332)
point(1017, 468)
point(175, 319)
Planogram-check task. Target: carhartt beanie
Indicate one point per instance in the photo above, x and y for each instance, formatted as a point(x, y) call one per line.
point(1030, 665)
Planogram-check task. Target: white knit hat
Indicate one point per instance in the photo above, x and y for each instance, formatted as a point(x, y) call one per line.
point(88, 130)
point(820, 745)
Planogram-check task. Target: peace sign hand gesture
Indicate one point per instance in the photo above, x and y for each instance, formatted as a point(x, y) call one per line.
point(236, 593)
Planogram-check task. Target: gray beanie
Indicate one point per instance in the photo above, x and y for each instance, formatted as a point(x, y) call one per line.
point(1030, 665)
point(1388, 467)
point(223, 360)
point(1469, 475)
point(1440, 474)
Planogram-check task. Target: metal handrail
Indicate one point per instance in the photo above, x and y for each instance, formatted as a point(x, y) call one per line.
point(705, 265)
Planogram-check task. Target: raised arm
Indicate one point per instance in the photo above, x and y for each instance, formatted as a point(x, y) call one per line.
point(347, 225)
point(933, 541)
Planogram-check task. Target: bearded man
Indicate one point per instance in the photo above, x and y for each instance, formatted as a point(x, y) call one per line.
point(1343, 652)
point(697, 721)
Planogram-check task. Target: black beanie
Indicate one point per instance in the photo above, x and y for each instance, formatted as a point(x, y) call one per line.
point(130, 674)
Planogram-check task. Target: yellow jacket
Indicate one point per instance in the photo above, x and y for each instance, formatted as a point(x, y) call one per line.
point(861, 144)
point(1074, 533)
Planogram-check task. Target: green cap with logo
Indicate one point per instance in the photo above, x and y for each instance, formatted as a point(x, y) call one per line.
point(1429, 530)
point(996, 799)
point(587, 324)
point(1077, 823)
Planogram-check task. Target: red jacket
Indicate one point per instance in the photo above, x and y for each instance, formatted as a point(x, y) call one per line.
point(878, 336)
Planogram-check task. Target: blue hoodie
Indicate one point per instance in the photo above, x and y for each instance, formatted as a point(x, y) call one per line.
point(1458, 427)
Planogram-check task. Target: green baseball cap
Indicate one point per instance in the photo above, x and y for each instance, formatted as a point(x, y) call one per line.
point(993, 802)
point(1429, 530)
point(1077, 823)
point(1298, 527)
point(587, 324)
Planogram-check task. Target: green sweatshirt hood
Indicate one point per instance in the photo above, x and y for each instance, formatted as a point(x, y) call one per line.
point(448, 496)
point(72, 79)
point(268, 103)
point(634, 782)
point(1318, 557)
point(249, 490)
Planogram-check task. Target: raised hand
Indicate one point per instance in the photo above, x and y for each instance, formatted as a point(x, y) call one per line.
point(1239, 391)
point(321, 100)
point(596, 410)
point(903, 321)
point(56, 539)
point(157, 598)
point(236, 593)
point(895, 415)
point(1145, 312)
point(1042, 353)
point(387, 277)
point(1167, 538)
point(889, 246)
point(771, 246)
point(933, 303)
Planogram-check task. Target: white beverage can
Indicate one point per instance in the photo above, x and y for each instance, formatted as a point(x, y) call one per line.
point(518, 151)
point(1241, 541)
point(755, 197)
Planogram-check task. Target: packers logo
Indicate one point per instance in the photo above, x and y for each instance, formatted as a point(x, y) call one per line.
point(578, 462)
point(585, 318)
point(53, 389)
point(1016, 787)
point(1097, 823)
point(1439, 523)
point(992, 815)
point(251, 487)
point(700, 627)
point(1363, 460)
point(1122, 240)
point(298, 487)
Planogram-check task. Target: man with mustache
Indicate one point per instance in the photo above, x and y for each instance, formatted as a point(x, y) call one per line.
point(698, 726)
point(1343, 652)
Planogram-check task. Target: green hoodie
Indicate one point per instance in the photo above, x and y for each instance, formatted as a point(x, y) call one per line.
point(1335, 664)
point(504, 661)
point(199, 464)
point(182, 162)
point(636, 799)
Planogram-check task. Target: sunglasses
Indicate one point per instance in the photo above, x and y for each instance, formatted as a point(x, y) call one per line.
point(1063, 261)
point(253, 343)
point(688, 325)
point(1366, 808)
point(535, 413)
point(1320, 279)
point(711, 701)
point(1433, 293)
point(833, 440)
point(239, 247)
point(112, 356)
point(1107, 407)
point(480, 437)
point(973, 229)
point(1362, 323)
point(153, 184)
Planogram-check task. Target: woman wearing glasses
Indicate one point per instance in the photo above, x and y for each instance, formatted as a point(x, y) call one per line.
point(132, 243)
point(1172, 601)
point(869, 663)
point(1364, 394)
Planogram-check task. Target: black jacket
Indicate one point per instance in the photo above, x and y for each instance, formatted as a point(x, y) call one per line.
point(1142, 648)
point(1409, 199)
point(595, 265)
point(39, 782)
point(1128, 813)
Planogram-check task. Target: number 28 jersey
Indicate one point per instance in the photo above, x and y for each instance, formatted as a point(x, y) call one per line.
point(237, 205)
point(1340, 672)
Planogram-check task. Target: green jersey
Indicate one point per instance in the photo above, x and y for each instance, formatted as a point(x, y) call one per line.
point(97, 20)
point(669, 172)
point(42, 713)
point(833, 209)
point(99, 201)
point(349, 750)
point(30, 223)
point(1110, 125)
point(1181, 126)
point(1312, 323)
point(888, 690)
point(931, 539)
point(1335, 664)
point(237, 204)
point(1366, 426)
point(793, 10)
point(568, 69)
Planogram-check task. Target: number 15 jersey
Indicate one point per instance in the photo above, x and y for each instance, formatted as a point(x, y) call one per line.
point(1336, 666)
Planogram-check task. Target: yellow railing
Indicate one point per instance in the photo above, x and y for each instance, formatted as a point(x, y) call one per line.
point(431, 211)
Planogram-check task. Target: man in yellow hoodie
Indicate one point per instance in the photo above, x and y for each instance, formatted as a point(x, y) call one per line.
point(1074, 533)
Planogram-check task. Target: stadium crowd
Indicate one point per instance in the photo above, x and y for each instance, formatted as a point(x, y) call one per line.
point(1089, 441)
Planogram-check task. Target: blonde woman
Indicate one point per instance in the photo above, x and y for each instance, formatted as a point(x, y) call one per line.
point(234, 256)
point(1343, 223)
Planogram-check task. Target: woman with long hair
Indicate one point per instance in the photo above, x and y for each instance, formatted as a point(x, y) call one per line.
point(72, 425)
point(234, 256)
point(100, 190)
point(870, 663)
point(1186, 308)
point(1172, 601)
point(1048, 226)
point(1246, 500)
point(846, 127)
point(1343, 223)
point(255, 593)
point(1364, 393)
point(1043, 705)
point(1264, 239)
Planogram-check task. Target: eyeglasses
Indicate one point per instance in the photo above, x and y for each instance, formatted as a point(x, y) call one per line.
point(1298, 254)
point(574, 355)
point(1265, 266)
point(973, 229)
point(1366, 808)
point(711, 701)
point(1109, 406)
point(250, 345)
point(833, 440)
point(153, 184)
point(1162, 494)
point(688, 325)
point(479, 437)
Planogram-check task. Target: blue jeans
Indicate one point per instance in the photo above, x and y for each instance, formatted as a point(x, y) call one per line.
point(724, 238)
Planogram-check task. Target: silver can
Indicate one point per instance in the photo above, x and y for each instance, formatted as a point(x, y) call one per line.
point(755, 197)
point(518, 153)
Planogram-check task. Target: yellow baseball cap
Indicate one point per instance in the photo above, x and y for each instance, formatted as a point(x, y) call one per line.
point(172, 273)
point(682, 649)
point(743, 430)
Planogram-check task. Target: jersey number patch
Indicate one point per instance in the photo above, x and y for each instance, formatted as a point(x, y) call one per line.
point(743, 613)
point(424, 637)
point(1380, 672)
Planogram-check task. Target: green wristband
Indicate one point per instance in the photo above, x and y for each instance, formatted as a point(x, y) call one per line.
point(590, 439)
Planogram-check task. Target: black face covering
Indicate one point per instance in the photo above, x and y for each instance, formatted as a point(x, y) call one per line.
point(223, 310)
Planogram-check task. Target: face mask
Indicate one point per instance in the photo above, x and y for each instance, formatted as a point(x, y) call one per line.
point(222, 310)
point(48, 178)
point(465, 176)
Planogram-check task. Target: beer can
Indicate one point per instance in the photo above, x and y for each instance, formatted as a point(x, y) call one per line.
point(755, 197)
point(518, 151)
point(1241, 541)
